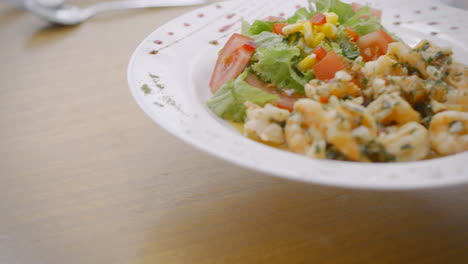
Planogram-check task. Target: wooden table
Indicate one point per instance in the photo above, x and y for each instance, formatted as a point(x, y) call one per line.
point(86, 177)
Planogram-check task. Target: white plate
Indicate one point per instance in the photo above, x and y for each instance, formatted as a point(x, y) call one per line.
point(169, 73)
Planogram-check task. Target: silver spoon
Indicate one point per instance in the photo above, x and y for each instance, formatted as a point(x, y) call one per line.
point(62, 14)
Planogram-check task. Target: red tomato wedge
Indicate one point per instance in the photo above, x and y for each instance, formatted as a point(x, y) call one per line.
point(328, 66)
point(285, 101)
point(373, 11)
point(232, 60)
point(278, 28)
point(374, 44)
point(319, 52)
point(318, 19)
point(352, 34)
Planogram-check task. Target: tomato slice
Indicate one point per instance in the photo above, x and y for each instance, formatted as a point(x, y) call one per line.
point(232, 60)
point(318, 19)
point(285, 101)
point(319, 52)
point(352, 34)
point(250, 45)
point(328, 66)
point(374, 44)
point(373, 11)
point(278, 28)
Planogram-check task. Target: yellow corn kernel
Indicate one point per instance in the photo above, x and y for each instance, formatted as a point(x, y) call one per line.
point(293, 28)
point(318, 28)
point(319, 37)
point(308, 33)
point(329, 30)
point(307, 63)
point(331, 17)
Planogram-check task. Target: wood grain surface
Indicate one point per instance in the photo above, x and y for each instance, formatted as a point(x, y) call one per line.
point(86, 177)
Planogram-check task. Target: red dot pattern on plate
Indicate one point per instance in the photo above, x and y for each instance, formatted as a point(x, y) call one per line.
point(225, 28)
point(298, 6)
point(230, 16)
point(434, 33)
point(213, 42)
point(454, 27)
point(158, 42)
point(417, 11)
point(170, 33)
point(281, 14)
point(200, 15)
point(432, 23)
point(186, 24)
point(153, 52)
point(219, 6)
point(396, 16)
point(433, 8)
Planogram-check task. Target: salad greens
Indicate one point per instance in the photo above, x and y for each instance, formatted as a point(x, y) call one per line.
point(276, 56)
point(301, 14)
point(273, 63)
point(228, 102)
point(343, 10)
point(257, 27)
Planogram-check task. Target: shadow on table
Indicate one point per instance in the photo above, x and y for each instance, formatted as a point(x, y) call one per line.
point(291, 222)
point(10, 15)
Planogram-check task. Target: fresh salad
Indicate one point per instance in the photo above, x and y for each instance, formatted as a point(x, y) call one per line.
point(331, 82)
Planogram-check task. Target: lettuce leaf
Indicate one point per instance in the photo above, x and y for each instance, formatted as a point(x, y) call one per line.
point(367, 26)
point(228, 101)
point(259, 26)
point(343, 10)
point(364, 25)
point(348, 49)
point(268, 39)
point(274, 64)
point(301, 14)
point(245, 27)
point(361, 21)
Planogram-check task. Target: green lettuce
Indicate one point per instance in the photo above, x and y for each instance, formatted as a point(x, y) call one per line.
point(301, 14)
point(228, 101)
point(363, 22)
point(343, 10)
point(273, 62)
point(367, 26)
point(268, 39)
point(257, 27)
point(347, 48)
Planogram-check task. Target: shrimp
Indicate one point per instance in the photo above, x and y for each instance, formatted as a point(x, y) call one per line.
point(384, 65)
point(404, 54)
point(340, 87)
point(448, 132)
point(434, 56)
point(263, 123)
point(437, 90)
point(409, 142)
point(305, 129)
point(457, 100)
point(391, 109)
point(458, 76)
point(349, 125)
point(412, 88)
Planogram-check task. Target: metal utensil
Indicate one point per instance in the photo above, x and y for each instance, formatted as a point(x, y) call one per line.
point(71, 15)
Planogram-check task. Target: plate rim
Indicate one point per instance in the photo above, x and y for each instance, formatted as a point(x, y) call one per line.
point(335, 181)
